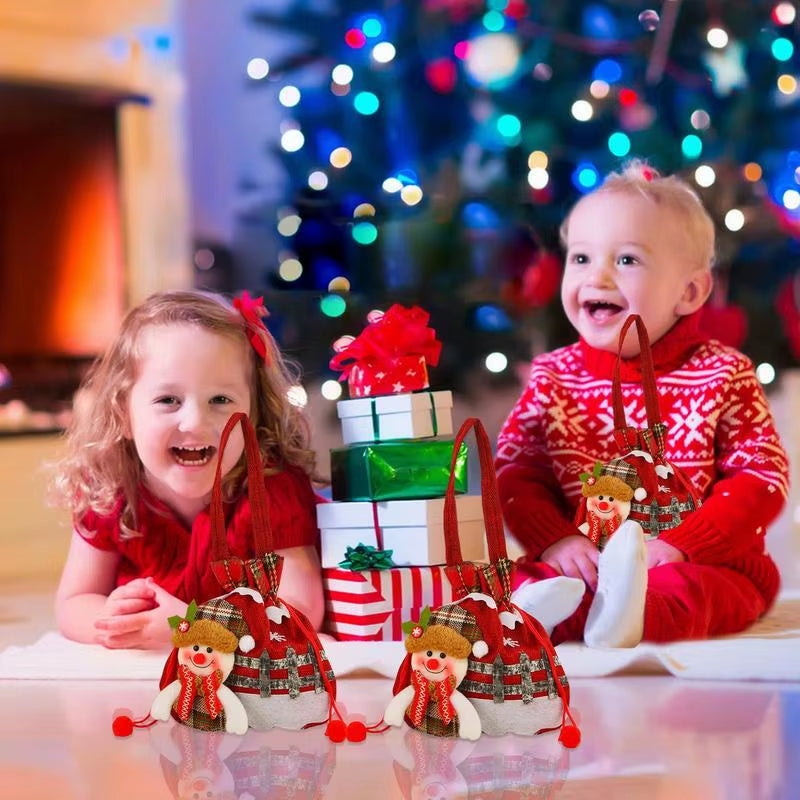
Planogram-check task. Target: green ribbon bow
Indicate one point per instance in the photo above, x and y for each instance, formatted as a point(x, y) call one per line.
point(365, 556)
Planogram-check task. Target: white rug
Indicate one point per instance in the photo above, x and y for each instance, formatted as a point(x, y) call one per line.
point(769, 651)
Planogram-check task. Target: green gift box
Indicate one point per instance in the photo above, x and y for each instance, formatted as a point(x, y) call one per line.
point(409, 469)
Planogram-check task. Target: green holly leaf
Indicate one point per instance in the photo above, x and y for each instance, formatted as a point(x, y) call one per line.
point(597, 469)
point(191, 612)
point(408, 626)
point(174, 621)
point(424, 617)
point(584, 476)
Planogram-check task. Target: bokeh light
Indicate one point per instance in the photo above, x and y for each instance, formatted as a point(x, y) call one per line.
point(331, 389)
point(364, 210)
point(784, 13)
point(599, 89)
point(538, 158)
point(782, 49)
point(384, 52)
point(492, 59)
point(290, 269)
point(700, 119)
point(494, 21)
point(787, 84)
point(289, 96)
point(411, 195)
point(372, 27)
point(692, 146)
point(791, 199)
point(585, 176)
point(392, 185)
point(752, 172)
point(364, 233)
point(355, 38)
point(333, 305)
point(509, 126)
point(366, 103)
point(289, 225)
point(318, 180)
point(257, 68)
point(292, 140)
point(496, 362)
point(649, 19)
point(340, 157)
point(734, 220)
point(607, 70)
point(619, 144)
point(582, 110)
point(340, 284)
point(297, 396)
point(765, 373)
point(538, 178)
point(705, 176)
point(717, 37)
point(342, 74)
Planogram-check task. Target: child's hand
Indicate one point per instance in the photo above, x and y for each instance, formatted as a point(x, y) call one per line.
point(146, 629)
point(574, 556)
point(659, 552)
point(138, 595)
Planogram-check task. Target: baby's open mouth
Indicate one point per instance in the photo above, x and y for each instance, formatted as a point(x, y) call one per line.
point(601, 311)
point(193, 456)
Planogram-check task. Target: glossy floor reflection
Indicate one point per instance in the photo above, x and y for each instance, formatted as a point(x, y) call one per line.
point(643, 737)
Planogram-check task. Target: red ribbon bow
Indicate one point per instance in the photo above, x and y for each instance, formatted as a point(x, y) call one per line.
point(425, 691)
point(205, 685)
point(252, 310)
point(398, 332)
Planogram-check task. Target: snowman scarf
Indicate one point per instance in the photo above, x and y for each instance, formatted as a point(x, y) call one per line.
point(424, 691)
point(192, 685)
point(600, 530)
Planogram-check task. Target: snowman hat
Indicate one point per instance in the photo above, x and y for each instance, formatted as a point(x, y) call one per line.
point(241, 612)
point(451, 629)
point(626, 472)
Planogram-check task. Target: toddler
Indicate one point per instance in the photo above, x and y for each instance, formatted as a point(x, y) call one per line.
point(140, 461)
point(643, 244)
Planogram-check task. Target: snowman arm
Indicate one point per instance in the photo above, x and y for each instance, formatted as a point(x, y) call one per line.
point(469, 723)
point(396, 709)
point(162, 705)
point(235, 714)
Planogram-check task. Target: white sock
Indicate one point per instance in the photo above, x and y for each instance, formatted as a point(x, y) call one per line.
point(550, 601)
point(616, 616)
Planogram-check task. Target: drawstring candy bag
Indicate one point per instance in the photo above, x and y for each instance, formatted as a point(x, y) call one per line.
point(269, 668)
point(641, 485)
point(494, 655)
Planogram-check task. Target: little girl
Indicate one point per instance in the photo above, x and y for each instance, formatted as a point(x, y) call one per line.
point(141, 456)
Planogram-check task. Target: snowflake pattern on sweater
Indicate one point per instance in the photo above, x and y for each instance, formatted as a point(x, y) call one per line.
point(720, 432)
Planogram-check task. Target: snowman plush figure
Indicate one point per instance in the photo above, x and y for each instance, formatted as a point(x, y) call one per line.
point(202, 660)
point(438, 648)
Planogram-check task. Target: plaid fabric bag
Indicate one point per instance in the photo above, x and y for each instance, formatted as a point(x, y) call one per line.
point(513, 678)
point(646, 487)
point(280, 672)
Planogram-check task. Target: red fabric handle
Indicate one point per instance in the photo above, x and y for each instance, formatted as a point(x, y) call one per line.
point(262, 532)
point(493, 517)
point(648, 376)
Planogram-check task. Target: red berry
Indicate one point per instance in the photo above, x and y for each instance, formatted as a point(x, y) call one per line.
point(356, 732)
point(122, 726)
point(336, 730)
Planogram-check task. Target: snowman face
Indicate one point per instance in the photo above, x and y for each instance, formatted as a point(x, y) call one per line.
point(205, 784)
point(436, 665)
point(204, 660)
point(607, 506)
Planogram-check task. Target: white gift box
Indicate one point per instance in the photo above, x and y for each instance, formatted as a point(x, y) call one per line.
point(396, 416)
point(412, 529)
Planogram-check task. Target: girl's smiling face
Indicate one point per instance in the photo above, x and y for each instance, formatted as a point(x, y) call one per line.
point(188, 383)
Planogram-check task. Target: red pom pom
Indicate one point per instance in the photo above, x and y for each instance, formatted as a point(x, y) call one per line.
point(122, 726)
point(570, 736)
point(356, 732)
point(336, 730)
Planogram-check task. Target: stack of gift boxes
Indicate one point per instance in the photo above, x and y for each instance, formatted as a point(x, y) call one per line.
point(382, 537)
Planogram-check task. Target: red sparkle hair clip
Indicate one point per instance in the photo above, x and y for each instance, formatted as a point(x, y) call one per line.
point(253, 311)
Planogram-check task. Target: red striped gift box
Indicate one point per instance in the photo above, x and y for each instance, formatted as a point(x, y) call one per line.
point(372, 605)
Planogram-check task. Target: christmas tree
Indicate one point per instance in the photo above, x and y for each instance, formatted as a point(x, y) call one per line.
point(433, 147)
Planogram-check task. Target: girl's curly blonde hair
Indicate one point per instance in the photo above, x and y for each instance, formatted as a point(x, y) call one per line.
point(101, 466)
point(666, 191)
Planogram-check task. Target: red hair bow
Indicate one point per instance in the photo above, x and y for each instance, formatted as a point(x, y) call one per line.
point(252, 310)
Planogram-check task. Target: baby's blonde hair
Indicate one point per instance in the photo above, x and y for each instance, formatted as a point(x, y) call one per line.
point(668, 192)
point(101, 467)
